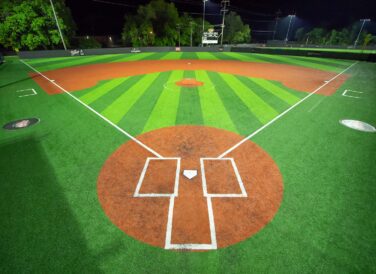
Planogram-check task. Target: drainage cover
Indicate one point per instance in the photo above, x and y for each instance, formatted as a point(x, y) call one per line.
point(358, 125)
point(20, 124)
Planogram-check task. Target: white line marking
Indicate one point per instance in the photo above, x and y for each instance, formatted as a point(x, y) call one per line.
point(283, 113)
point(94, 111)
point(222, 195)
point(142, 177)
point(317, 104)
point(351, 96)
point(33, 92)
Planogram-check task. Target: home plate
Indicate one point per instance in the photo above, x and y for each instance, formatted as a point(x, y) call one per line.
point(190, 174)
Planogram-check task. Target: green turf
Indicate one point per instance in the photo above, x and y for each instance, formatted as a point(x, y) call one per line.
point(51, 220)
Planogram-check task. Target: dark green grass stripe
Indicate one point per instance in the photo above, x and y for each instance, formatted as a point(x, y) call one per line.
point(189, 55)
point(135, 119)
point(264, 94)
point(244, 120)
point(320, 62)
point(83, 92)
point(77, 61)
point(115, 93)
point(189, 112)
point(278, 59)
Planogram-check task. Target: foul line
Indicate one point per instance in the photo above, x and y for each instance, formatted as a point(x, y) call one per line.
point(94, 111)
point(282, 114)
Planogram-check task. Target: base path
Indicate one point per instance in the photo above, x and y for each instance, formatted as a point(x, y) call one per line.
point(226, 205)
point(295, 77)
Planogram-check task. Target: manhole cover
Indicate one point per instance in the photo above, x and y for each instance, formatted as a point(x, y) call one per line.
point(358, 125)
point(20, 124)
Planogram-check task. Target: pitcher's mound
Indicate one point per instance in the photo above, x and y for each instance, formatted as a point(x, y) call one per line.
point(189, 83)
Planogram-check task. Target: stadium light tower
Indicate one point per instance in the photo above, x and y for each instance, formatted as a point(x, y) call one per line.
point(360, 31)
point(58, 26)
point(288, 29)
point(203, 16)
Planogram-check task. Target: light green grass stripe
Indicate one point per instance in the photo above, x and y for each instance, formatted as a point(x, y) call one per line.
point(255, 104)
point(134, 57)
point(122, 105)
point(166, 108)
point(172, 56)
point(75, 61)
point(206, 56)
point(276, 90)
point(292, 61)
point(97, 93)
point(45, 60)
point(213, 110)
point(247, 57)
point(330, 61)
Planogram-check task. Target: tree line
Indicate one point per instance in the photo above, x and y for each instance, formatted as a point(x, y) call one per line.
point(334, 37)
point(29, 25)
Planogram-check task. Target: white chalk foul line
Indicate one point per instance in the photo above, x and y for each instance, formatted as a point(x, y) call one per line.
point(283, 113)
point(94, 111)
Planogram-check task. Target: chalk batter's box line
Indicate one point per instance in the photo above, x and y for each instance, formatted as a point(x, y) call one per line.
point(33, 92)
point(143, 173)
point(221, 195)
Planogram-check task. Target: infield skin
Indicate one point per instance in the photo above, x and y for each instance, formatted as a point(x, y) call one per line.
point(149, 219)
point(295, 77)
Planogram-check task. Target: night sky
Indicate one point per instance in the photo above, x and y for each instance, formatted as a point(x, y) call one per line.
point(106, 17)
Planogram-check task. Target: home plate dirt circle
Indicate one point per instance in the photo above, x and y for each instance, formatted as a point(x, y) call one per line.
point(225, 202)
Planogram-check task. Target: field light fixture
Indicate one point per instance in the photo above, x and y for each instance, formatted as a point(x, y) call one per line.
point(203, 16)
point(360, 31)
point(288, 29)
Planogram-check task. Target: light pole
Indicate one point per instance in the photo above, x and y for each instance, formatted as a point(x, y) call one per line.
point(203, 18)
point(288, 30)
point(360, 31)
point(224, 10)
point(58, 26)
point(278, 13)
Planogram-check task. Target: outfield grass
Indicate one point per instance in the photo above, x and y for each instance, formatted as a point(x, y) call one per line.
point(51, 220)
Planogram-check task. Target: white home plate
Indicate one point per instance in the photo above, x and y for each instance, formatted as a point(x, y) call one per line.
point(190, 174)
point(358, 125)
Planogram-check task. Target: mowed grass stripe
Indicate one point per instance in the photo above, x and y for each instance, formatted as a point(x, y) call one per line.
point(134, 57)
point(268, 97)
point(292, 61)
point(189, 112)
point(213, 111)
point(277, 91)
point(96, 93)
point(247, 57)
point(263, 112)
point(206, 56)
point(245, 121)
point(77, 61)
point(108, 98)
point(332, 62)
point(189, 55)
point(116, 111)
point(135, 119)
point(172, 56)
point(166, 109)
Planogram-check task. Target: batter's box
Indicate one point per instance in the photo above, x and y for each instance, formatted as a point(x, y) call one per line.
point(159, 178)
point(221, 178)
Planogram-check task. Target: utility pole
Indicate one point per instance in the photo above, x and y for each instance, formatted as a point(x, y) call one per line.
point(224, 3)
point(277, 14)
point(178, 25)
point(361, 29)
point(191, 24)
point(203, 18)
point(58, 26)
point(288, 30)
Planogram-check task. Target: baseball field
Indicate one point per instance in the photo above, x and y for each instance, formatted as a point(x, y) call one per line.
point(187, 163)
